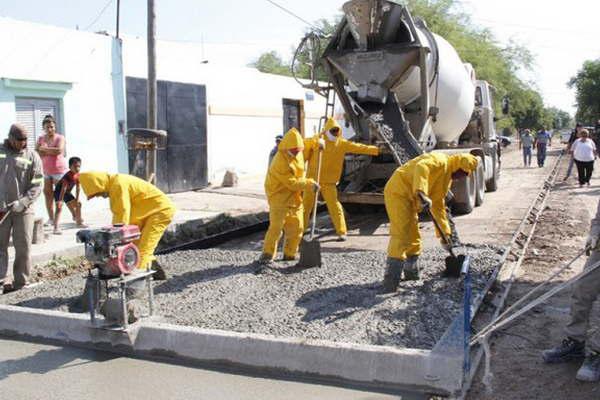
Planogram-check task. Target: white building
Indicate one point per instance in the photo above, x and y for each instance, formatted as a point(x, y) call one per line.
point(80, 78)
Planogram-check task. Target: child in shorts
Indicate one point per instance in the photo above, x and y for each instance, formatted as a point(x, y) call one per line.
point(62, 193)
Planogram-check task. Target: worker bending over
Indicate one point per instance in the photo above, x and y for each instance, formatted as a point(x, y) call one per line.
point(422, 182)
point(134, 201)
point(336, 147)
point(283, 186)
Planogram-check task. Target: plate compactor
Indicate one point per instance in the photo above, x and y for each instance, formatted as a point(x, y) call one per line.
point(115, 259)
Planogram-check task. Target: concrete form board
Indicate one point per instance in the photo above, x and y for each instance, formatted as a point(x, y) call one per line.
point(408, 369)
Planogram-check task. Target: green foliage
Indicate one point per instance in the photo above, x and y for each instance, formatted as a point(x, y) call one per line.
point(271, 63)
point(587, 92)
point(560, 119)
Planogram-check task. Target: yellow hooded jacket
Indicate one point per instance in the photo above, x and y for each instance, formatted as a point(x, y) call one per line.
point(431, 174)
point(286, 179)
point(132, 199)
point(333, 154)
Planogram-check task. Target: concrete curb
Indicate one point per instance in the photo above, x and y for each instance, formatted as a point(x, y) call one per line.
point(407, 369)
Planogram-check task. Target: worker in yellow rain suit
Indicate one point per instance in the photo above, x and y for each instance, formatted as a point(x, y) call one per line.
point(423, 181)
point(336, 147)
point(284, 185)
point(134, 201)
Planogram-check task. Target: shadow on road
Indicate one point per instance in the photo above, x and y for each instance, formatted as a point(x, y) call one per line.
point(45, 361)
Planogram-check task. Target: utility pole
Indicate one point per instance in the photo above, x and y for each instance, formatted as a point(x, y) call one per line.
point(118, 16)
point(152, 120)
point(152, 116)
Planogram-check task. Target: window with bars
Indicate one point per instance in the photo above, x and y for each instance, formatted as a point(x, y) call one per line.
point(31, 112)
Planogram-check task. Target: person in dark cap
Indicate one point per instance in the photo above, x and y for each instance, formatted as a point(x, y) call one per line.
point(274, 150)
point(574, 136)
point(21, 182)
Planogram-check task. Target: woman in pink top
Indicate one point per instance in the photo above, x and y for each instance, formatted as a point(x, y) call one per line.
point(51, 148)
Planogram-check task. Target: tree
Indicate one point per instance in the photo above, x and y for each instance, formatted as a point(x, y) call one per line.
point(587, 92)
point(272, 63)
point(560, 119)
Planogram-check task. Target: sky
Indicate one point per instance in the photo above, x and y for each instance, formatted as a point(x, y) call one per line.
point(561, 35)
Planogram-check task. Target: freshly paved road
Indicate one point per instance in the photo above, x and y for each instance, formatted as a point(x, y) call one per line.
point(41, 371)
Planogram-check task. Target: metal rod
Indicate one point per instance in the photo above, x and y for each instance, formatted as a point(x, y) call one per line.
point(91, 286)
point(467, 324)
point(124, 305)
point(150, 295)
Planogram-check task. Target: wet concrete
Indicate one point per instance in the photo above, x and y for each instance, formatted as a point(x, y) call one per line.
point(42, 371)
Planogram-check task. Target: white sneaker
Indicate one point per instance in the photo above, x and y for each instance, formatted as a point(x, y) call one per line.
point(49, 223)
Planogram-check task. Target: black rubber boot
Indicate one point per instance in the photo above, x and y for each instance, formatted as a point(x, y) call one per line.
point(411, 268)
point(568, 350)
point(590, 369)
point(392, 275)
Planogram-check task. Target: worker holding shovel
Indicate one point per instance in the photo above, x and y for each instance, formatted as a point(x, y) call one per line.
point(420, 184)
point(283, 186)
point(336, 147)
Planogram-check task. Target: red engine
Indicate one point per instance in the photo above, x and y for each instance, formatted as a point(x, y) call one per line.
point(111, 248)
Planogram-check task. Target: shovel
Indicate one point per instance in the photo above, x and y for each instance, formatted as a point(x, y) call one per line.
point(456, 266)
point(310, 250)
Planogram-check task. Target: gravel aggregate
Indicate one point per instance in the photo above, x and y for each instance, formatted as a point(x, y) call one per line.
point(342, 301)
point(399, 143)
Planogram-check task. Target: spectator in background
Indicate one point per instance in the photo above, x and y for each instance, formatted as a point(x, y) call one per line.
point(526, 143)
point(274, 150)
point(543, 139)
point(584, 154)
point(574, 136)
point(51, 148)
point(62, 193)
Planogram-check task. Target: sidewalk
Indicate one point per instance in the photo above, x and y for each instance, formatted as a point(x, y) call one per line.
point(194, 209)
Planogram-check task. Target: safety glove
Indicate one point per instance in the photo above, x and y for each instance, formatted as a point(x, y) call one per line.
point(321, 144)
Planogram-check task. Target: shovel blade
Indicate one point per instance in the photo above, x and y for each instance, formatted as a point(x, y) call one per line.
point(310, 254)
point(454, 266)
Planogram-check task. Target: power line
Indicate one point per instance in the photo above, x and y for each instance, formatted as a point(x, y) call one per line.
point(294, 15)
point(67, 36)
point(99, 15)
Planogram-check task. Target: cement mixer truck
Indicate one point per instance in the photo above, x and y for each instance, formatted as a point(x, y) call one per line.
point(405, 87)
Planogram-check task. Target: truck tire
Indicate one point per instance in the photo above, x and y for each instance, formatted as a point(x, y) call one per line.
point(480, 185)
point(492, 184)
point(464, 195)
